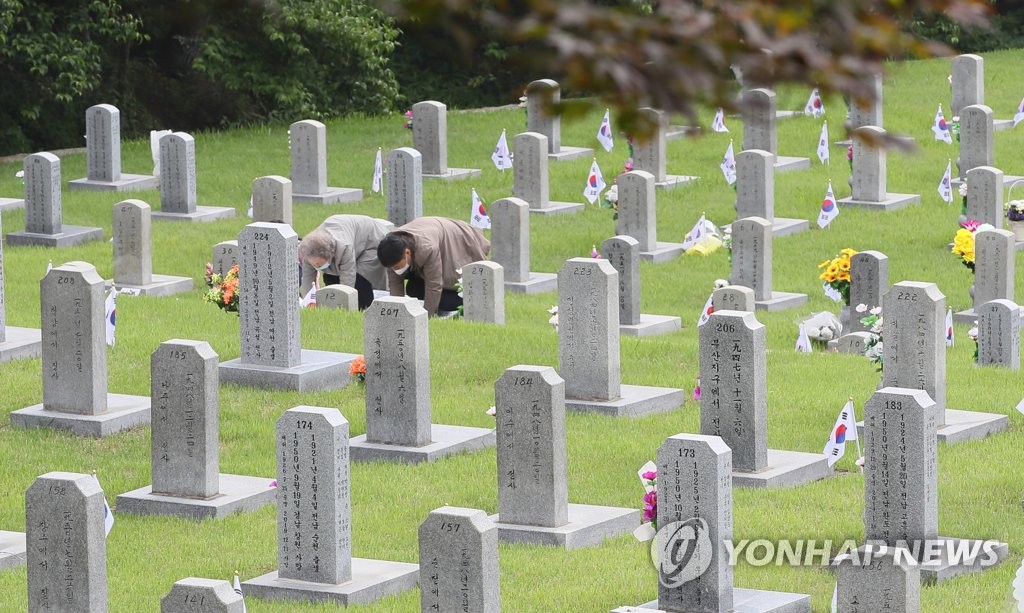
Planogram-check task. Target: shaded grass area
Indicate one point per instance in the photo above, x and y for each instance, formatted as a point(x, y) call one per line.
point(980, 487)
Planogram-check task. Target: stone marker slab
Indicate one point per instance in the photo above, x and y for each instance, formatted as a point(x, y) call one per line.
point(755, 192)
point(103, 154)
point(308, 143)
point(225, 255)
point(12, 549)
point(855, 343)
point(337, 297)
point(869, 176)
point(510, 247)
point(542, 96)
point(624, 254)
point(533, 504)
point(314, 529)
point(999, 324)
point(650, 154)
point(752, 265)
point(638, 217)
point(588, 345)
point(178, 200)
point(483, 292)
point(195, 595)
point(185, 442)
point(901, 484)
point(133, 254)
point(877, 579)
point(459, 562)
point(734, 405)
point(733, 298)
point(430, 138)
point(695, 496)
point(869, 280)
point(398, 424)
point(985, 195)
point(758, 110)
point(271, 351)
point(66, 544)
point(74, 358)
point(530, 176)
point(404, 190)
point(993, 270)
point(272, 199)
point(44, 224)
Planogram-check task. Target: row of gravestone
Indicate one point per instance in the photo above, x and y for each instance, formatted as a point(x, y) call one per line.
point(458, 567)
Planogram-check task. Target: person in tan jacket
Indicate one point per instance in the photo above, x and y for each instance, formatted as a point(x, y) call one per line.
point(344, 249)
point(424, 257)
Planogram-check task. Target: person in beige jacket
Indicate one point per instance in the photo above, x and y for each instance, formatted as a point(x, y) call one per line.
point(424, 257)
point(344, 249)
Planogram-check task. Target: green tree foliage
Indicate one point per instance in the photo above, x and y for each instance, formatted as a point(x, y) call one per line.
point(54, 54)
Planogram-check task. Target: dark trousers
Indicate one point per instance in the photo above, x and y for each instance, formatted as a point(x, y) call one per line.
point(363, 287)
point(416, 287)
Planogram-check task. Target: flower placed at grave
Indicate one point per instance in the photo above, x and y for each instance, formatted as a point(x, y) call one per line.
point(873, 321)
point(973, 333)
point(408, 119)
point(649, 480)
point(357, 369)
point(1015, 210)
point(554, 317)
point(628, 165)
point(849, 157)
point(963, 194)
point(963, 242)
point(611, 200)
point(223, 291)
point(954, 127)
point(20, 175)
point(209, 275)
point(836, 276)
point(594, 253)
point(696, 390)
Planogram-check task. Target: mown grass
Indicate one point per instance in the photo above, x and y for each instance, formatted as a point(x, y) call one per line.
point(980, 488)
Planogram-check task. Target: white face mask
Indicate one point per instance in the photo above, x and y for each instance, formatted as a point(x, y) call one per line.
point(401, 271)
point(324, 266)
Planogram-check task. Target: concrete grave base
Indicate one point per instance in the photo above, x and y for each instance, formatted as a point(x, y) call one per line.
point(11, 204)
point(123, 412)
point(202, 214)
point(237, 493)
point(786, 164)
point(20, 343)
point(746, 601)
point(635, 401)
point(907, 140)
point(674, 181)
point(539, 283)
point(127, 183)
point(1008, 180)
point(852, 343)
point(785, 469)
point(963, 426)
point(893, 202)
point(781, 301)
point(160, 285)
point(68, 236)
point(558, 208)
point(12, 549)
point(784, 226)
point(566, 154)
point(455, 174)
point(1000, 125)
point(445, 441)
point(969, 317)
point(317, 371)
point(588, 525)
point(652, 325)
point(371, 581)
point(942, 569)
point(662, 252)
point(677, 132)
point(789, 114)
point(333, 195)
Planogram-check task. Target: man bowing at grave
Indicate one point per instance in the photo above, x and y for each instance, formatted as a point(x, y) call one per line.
point(425, 256)
point(344, 249)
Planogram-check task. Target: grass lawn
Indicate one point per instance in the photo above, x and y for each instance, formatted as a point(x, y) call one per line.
point(980, 487)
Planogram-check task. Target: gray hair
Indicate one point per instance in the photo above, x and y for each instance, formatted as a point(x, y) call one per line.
point(317, 244)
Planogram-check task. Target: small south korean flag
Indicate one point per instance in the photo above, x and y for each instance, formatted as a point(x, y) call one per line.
point(604, 133)
point(829, 210)
point(595, 183)
point(478, 217)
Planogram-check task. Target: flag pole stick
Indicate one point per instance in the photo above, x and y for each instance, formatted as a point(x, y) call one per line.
point(853, 410)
